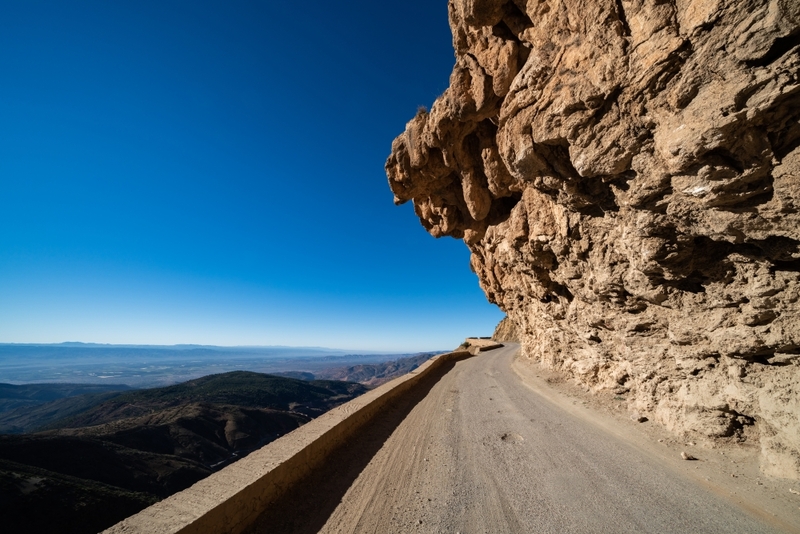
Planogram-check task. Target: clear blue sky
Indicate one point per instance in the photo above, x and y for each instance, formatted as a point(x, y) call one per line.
point(212, 172)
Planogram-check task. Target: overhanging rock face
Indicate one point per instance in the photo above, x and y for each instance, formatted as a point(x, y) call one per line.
point(626, 175)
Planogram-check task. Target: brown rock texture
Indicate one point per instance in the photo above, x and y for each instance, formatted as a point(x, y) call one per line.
point(626, 174)
point(506, 331)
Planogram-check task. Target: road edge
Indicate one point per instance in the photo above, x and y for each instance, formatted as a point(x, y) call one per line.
point(666, 455)
point(230, 500)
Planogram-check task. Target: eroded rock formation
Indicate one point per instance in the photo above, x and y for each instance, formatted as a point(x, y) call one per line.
point(626, 174)
point(506, 331)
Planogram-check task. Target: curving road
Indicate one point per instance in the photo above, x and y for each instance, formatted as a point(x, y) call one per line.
point(483, 453)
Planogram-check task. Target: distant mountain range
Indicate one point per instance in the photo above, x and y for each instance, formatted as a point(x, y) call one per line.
point(373, 375)
point(115, 452)
point(250, 349)
point(152, 366)
point(92, 455)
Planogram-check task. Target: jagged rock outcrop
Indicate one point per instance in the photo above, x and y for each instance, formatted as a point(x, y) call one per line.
point(506, 331)
point(626, 174)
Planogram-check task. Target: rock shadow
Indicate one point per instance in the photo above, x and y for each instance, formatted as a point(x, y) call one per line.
point(307, 506)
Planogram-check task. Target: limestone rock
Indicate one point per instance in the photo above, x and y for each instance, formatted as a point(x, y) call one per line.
point(506, 331)
point(626, 175)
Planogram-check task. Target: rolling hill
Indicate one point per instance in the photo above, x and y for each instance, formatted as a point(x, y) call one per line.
point(121, 453)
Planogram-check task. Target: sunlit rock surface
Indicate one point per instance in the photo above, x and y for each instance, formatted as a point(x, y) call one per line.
point(626, 175)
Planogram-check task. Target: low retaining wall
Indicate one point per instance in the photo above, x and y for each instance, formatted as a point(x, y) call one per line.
point(480, 344)
point(230, 500)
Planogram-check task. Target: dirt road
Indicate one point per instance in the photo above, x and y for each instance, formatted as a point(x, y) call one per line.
point(482, 453)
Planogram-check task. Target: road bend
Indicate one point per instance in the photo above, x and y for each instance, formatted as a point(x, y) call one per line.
point(480, 452)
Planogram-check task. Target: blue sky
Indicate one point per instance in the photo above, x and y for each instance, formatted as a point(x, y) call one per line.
point(212, 172)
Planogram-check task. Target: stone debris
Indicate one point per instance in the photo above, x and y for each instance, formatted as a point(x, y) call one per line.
point(639, 418)
point(626, 176)
point(687, 456)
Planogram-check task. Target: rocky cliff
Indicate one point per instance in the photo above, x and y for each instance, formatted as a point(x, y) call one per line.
point(506, 331)
point(626, 174)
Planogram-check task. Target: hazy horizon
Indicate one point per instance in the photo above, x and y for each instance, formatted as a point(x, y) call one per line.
point(197, 345)
point(192, 172)
point(151, 366)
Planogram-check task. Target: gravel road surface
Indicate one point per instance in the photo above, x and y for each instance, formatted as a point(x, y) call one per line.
point(481, 452)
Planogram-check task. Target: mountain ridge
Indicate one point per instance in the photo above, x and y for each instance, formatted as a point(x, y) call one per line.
point(143, 445)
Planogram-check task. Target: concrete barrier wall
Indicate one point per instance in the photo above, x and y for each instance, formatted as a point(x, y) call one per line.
point(230, 500)
point(479, 344)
